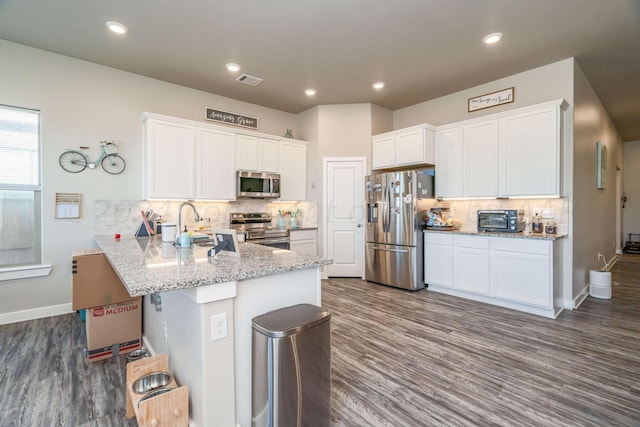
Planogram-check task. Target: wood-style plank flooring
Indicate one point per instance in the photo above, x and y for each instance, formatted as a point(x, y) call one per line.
point(398, 359)
point(428, 359)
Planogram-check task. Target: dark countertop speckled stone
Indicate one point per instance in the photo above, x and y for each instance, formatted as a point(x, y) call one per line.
point(535, 236)
point(147, 265)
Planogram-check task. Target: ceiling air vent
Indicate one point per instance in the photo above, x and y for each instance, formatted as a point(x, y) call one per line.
point(249, 80)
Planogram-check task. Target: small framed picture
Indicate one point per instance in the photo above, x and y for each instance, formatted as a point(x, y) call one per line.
point(226, 242)
point(601, 166)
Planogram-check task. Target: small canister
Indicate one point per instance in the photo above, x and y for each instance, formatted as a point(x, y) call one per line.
point(168, 232)
point(550, 227)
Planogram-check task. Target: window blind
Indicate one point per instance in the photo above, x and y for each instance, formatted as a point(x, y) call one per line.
point(19, 149)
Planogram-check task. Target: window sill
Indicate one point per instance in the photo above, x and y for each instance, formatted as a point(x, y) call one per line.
point(25, 272)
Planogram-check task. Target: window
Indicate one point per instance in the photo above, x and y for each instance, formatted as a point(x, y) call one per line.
point(20, 188)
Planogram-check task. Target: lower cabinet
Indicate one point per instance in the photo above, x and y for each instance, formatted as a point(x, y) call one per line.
point(304, 241)
point(517, 273)
point(438, 260)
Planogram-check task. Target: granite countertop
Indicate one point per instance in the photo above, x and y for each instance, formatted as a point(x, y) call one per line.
point(147, 265)
point(535, 236)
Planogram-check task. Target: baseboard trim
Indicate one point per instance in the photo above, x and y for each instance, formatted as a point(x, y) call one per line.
point(35, 313)
point(579, 299)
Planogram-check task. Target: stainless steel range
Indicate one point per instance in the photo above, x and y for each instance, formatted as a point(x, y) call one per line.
point(258, 229)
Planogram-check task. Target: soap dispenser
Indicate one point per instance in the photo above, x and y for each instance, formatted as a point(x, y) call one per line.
point(185, 238)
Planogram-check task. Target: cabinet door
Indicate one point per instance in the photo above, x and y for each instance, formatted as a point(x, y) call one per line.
point(215, 170)
point(305, 247)
point(414, 148)
point(169, 160)
point(383, 152)
point(481, 159)
point(438, 265)
point(522, 277)
point(530, 154)
point(269, 158)
point(449, 154)
point(471, 270)
point(247, 152)
point(293, 170)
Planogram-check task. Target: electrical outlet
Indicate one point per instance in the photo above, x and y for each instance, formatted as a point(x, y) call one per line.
point(537, 211)
point(218, 326)
point(548, 213)
point(165, 334)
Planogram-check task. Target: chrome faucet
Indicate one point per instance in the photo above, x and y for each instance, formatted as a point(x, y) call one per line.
point(196, 217)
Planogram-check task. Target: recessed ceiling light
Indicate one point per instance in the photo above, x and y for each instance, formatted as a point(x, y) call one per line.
point(116, 27)
point(233, 67)
point(378, 85)
point(492, 38)
point(310, 92)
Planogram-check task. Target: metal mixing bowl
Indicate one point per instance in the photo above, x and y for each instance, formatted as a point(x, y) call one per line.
point(151, 382)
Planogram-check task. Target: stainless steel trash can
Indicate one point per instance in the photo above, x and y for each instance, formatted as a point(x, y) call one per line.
point(291, 367)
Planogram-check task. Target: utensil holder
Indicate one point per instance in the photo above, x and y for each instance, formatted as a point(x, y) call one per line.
point(169, 408)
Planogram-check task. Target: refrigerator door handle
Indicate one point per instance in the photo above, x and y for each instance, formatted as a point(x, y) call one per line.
point(386, 212)
point(389, 250)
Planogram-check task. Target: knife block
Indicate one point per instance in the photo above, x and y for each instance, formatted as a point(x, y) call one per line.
point(167, 409)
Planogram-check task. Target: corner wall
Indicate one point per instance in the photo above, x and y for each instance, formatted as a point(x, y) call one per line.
point(594, 210)
point(631, 185)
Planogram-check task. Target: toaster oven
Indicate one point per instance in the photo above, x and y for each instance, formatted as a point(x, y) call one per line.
point(504, 221)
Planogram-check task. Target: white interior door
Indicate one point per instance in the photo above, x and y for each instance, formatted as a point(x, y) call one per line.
point(344, 184)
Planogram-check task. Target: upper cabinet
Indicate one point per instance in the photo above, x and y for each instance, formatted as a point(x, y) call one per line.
point(169, 160)
point(511, 154)
point(412, 146)
point(258, 154)
point(293, 170)
point(184, 159)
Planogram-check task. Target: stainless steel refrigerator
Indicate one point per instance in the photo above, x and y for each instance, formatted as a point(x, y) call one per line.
point(394, 239)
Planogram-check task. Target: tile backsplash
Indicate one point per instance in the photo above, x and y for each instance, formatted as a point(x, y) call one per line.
point(466, 210)
point(124, 216)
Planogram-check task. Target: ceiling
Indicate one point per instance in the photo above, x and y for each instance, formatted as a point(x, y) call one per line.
point(422, 49)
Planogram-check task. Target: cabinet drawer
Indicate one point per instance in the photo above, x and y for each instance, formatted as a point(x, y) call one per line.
point(479, 242)
point(438, 239)
point(302, 234)
point(530, 246)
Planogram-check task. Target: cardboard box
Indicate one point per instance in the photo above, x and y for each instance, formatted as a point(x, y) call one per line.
point(95, 283)
point(114, 329)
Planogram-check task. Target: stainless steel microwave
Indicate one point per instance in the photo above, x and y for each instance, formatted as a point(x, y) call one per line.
point(257, 185)
point(505, 221)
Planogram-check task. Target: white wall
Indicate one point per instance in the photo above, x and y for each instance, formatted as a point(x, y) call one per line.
point(594, 210)
point(631, 178)
point(83, 103)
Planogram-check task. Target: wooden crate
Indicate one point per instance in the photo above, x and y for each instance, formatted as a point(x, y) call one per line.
point(168, 409)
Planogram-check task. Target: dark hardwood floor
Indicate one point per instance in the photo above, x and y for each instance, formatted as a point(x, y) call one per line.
point(398, 359)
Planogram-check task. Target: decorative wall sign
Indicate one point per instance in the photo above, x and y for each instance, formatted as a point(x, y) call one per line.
point(230, 118)
point(601, 166)
point(500, 97)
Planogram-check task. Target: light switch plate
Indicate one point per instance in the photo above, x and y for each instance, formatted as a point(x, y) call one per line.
point(548, 213)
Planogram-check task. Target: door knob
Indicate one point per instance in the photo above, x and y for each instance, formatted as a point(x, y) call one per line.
point(359, 225)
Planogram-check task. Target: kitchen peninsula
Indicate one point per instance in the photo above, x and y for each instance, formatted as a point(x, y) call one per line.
point(199, 310)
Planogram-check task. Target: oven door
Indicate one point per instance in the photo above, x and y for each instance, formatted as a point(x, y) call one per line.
point(281, 243)
point(493, 221)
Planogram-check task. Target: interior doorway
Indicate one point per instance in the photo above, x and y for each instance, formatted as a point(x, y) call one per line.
point(343, 201)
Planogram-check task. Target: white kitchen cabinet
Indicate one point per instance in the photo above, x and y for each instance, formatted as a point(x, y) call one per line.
point(520, 273)
point(304, 241)
point(169, 160)
point(522, 270)
point(471, 264)
point(438, 260)
point(481, 159)
point(383, 151)
point(530, 153)
point(510, 154)
point(214, 161)
point(413, 146)
point(293, 170)
point(257, 154)
point(449, 162)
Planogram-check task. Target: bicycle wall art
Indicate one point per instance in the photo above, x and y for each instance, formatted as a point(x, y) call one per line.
point(76, 161)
